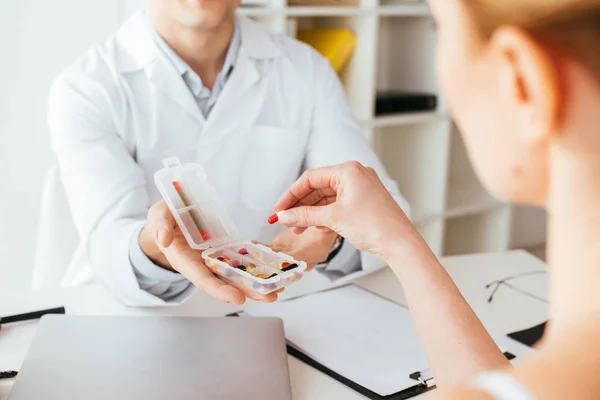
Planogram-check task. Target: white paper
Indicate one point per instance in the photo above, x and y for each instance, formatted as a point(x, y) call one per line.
point(355, 333)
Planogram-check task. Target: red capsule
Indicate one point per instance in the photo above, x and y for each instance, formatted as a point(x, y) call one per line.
point(283, 265)
point(273, 218)
point(243, 252)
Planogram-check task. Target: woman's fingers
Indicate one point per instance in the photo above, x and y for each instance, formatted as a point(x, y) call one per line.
point(323, 179)
point(308, 216)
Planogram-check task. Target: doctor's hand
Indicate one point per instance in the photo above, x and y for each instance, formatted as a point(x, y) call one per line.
point(312, 246)
point(351, 200)
point(164, 243)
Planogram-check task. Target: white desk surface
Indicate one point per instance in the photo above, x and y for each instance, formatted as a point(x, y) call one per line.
point(510, 310)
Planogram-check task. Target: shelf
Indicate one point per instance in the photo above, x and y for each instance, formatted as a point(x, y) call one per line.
point(257, 11)
point(405, 10)
point(400, 10)
point(469, 200)
point(407, 119)
point(478, 233)
point(415, 156)
point(302, 11)
point(406, 56)
point(433, 233)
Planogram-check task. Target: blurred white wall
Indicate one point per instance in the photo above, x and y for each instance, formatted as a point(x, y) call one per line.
point(38, 38)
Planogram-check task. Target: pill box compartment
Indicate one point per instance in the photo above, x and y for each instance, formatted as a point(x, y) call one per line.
point(205, 223)
point(260, 268)
point(195, 204)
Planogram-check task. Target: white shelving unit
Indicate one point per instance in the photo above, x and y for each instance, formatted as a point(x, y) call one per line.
point(421, 151)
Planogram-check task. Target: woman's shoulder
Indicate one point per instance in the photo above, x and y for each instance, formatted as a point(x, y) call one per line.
point(463, 394)
point(565, 367)
point(561, 369)
point(490, 386)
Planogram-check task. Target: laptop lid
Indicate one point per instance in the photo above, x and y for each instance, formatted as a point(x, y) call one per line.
point(92, 357)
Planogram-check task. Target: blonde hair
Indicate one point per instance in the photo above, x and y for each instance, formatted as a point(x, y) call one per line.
point(572, 24)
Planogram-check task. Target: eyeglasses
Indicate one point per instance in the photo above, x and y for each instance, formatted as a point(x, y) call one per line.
point(505, 281)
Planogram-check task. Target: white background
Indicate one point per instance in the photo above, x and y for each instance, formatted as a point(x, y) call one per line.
point(38, 38)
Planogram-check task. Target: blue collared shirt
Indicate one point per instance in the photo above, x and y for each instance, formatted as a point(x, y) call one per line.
point(205, 97)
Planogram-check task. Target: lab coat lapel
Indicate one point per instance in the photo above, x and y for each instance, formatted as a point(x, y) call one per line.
point(139, 51)
point(242, 98)
point(169, 82)
point(235, 100)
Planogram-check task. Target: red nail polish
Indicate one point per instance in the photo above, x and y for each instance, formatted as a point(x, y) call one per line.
point(273, 218)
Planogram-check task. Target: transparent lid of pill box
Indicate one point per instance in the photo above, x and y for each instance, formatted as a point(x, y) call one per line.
point(195, 204)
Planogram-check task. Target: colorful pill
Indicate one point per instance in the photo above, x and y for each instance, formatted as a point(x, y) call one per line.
point(243, 252)
point(295, 277)
point(265, 276)
point(241, 267)
point(222, 259)
point(273, 218)
point(289, 267)
point(184, 199)
point(283, 265)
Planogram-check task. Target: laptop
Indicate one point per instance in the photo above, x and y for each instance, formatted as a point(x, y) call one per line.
point(93, 357)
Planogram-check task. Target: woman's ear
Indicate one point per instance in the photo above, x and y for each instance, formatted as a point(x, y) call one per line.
point(528, 83)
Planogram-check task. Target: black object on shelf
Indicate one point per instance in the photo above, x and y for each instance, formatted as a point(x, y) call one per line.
point(404, 102)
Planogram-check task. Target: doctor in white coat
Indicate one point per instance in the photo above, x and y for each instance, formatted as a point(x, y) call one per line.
point(191, 79)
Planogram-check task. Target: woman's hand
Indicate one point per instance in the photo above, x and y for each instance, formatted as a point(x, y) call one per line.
point(351, 200)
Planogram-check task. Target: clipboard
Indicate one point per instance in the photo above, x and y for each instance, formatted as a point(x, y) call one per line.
point(423, 379)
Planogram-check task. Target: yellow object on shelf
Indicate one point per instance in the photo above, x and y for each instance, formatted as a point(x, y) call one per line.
point(334, 44)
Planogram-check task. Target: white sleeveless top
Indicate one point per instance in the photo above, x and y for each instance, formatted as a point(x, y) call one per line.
point(502, 387)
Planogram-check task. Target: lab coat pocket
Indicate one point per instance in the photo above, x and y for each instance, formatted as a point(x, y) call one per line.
point(275, 161)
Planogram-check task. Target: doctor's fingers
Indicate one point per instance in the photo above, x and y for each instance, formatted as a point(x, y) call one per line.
point(268, 298)
point(161, 223)
point(201, 277)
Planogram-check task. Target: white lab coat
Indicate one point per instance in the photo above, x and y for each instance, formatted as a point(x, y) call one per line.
point(122, 108)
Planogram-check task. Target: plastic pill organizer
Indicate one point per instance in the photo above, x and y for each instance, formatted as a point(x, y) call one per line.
point(206, 225)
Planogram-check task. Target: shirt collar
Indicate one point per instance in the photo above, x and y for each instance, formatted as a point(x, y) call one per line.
point(134, 46)
point(185, 70)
